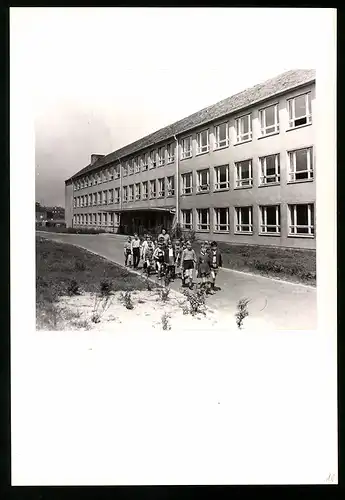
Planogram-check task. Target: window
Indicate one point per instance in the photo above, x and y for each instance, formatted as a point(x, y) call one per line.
point(117, 172)
point(105, 197)
point(86, 200)
point(301, 164)
point(171, 185)
point(221, 134)
point(125, 170)
point(145, 190)
point(221, 219)
point(125, 194)
point(203, 219)
point(187, 219)
point(111, 173)
point(111, 196)
point(74, 202)
point(145, 163)
point(95, 219)
point(81, 184)
point(161, 156)
point(269, 169)
point(94, 180)
point(137, 191)
point(130, 167)
point(131, 192)
point(270, 219)
point(153, 189)
point(116, 219)
point(117, 196)
point(90, 199)
point(74, 219)
point(203, 180)
point(301, 220)
point(244, 218)
point(100, 198)
point(94, 199)
point(299, 111)
point(244, 175)
point(89, 181)
point(82, 201)
point(136, 165)
point(187, 183)
point(104, 175)
point(78, 219)
point(269, 120)
point(105, 218)
point(244, 128)
point(202, 142)
point(99, 178)
point(171, 152)
point(221, 174)
point(99, 219)
point(153, 159)
point(161, 188)
point(186, 145)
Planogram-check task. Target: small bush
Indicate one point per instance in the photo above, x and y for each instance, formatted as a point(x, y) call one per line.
point(106, 287)
point(242, 312)
point(73, 288)
point(126, 299)
point(165, 321)
point(196, 301)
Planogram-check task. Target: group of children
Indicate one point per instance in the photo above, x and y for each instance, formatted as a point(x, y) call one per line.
point(170, 260)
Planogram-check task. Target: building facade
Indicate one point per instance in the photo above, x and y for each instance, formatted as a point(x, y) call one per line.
point(241, 171)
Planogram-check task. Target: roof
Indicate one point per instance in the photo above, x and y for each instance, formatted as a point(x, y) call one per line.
point(261, 92)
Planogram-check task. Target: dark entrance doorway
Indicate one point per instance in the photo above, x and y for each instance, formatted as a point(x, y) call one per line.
point(145, 221)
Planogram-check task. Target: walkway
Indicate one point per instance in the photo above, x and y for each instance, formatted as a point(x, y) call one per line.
point(279, 305)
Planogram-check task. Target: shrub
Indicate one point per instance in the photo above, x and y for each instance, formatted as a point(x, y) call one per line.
point(106, 287)
point(176, 233)
point(242, 312)
point(73, 288)
point(196, 301)
point(126, 299)
point(165, 321)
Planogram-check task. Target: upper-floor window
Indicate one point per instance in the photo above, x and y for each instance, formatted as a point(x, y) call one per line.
point(99, 178)
point(125, 170)
point(299, 110)
point(244, 173)
point(137, 191)
point(221, 135)
point(117, 172)
point(130, 167)
point(270, 219)
point(187, 183)
point(94, 180)
point(187, 219)
point(145, 162)
point(104, 175)
point(136, 165)
point(171, 152)
point(153, 189)
point(186, 147)
point(153, 158)
point(145, 190)
point(269, 169)
point(94, 199)
point(105, 197)
point(74, 202)
point(161, 156)
point(111, 196)
point(244, 128)
point(117, 195)
point(244, 219)
point(202, 142)
point(131, 192)
point(269, 120)
point(171, 185)
point(125, 194)
point(203, 180)
point(161, 188)
point(301, 218)
point(100, 197)
point(221, 180)
point(301, 164)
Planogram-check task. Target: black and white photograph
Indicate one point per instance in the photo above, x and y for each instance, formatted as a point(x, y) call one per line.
point(182, 166)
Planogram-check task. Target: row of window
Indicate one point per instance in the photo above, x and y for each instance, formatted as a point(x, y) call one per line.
point(300, 167)
point(299, 115)
point(300, 220)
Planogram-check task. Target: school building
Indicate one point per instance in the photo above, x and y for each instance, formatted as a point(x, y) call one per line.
point(241, 170)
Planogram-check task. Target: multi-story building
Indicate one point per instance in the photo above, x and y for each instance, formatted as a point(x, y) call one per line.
point(242, 171)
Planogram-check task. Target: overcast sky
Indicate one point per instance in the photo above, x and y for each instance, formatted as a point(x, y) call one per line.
point(106, 77)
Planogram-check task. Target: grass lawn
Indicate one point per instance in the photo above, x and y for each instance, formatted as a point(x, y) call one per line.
point(62, 268)
point(285, 263)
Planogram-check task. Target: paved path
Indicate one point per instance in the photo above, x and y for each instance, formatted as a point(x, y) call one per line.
point(280, 305)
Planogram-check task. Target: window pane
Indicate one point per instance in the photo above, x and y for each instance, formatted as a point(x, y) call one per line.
point(301, 159)
point(300, 106)
point(245, 169)
point(302, 215)
point(222, 216)
point(245, 215)
point(269, 112)
point(245, 125)
point(271, 215)
point(270, 165)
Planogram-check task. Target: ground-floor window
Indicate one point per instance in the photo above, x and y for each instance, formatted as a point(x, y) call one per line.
point(74, 219)
point(137, 192)
point(221, 219)
point(99, 219)
point(244, 218)
point(145, 189)
point(301, 219)
point(105, 218)
point(270, 219)
point(203, 219)
point(90, 219)
point(187, 219)
point(95, 219)
point(153, 189)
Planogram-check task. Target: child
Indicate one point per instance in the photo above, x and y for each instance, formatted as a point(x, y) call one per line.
point(170, 260)
point(135, 250)
point(204, 268)
point(159, 258)
point(147, 254)
point(178, 253)
point(216, 263)
point(128, 252)
point(188, 259)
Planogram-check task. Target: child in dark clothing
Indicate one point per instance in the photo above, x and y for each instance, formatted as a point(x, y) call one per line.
point(216, 263)
point(188, 259)
point(170, 260)
point(204, 269)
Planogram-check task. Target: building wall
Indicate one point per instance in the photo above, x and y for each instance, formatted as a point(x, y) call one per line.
point(282, 194)
point(69, 204)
